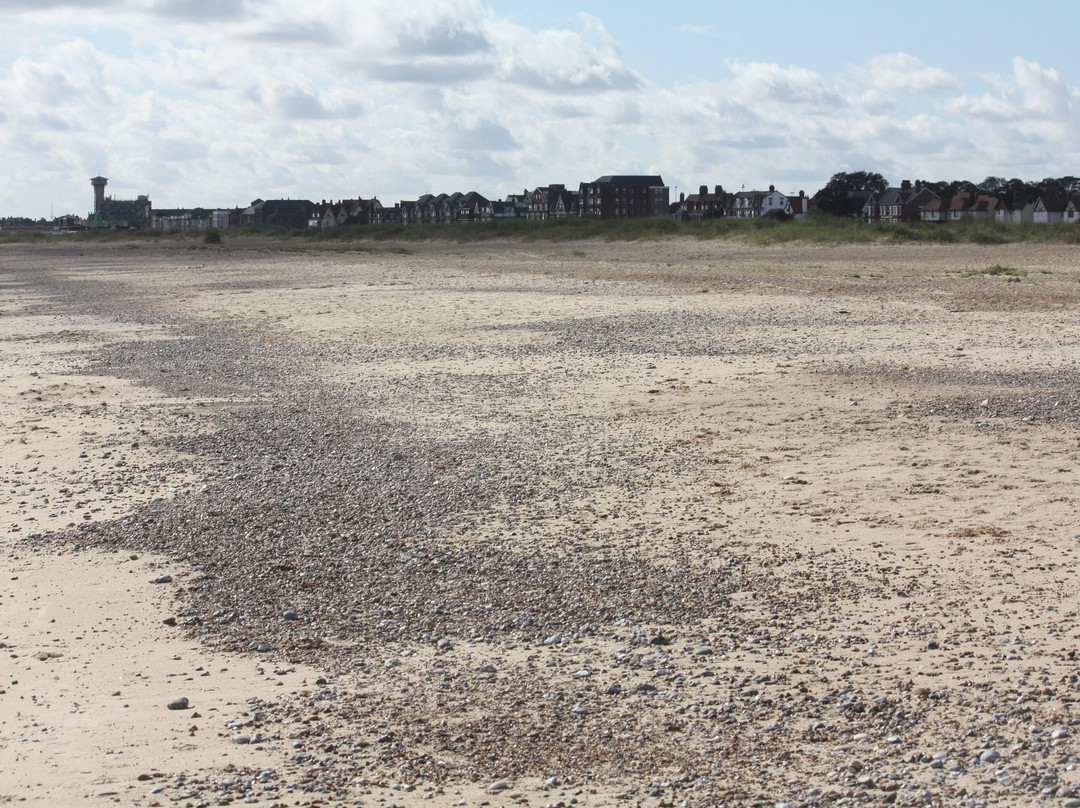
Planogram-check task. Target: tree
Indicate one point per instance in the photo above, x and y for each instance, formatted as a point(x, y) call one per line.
point(993, 186)
point(846, 192)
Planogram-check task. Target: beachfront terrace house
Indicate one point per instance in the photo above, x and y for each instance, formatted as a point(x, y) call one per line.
point(895, 205)
point(755, 204)
point(702, 205)
point(287, 213)
point(345, 211)
point(1048, 209)
point(543, 202)
point(514, 206)
point(472, 207)
point(1072, 210)
point(180, 220)
point(965, 205)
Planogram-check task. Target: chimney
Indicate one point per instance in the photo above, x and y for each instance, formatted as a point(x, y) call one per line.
point(719, 190)
point(905, 185)
point(802, 194)
point(772, 188)
point(682, 197)
point(703, 190)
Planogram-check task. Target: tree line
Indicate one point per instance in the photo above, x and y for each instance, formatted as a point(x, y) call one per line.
point(841, 195)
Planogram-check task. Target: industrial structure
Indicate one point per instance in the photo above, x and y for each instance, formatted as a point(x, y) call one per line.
point(119, 214)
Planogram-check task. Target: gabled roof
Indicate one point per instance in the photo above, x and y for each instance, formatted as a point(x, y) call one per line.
point(1052, 204)
point(961, 201)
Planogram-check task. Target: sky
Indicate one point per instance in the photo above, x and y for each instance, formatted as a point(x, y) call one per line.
point(215, 103)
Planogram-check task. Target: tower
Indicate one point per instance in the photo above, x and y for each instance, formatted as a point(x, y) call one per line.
point(99, 184)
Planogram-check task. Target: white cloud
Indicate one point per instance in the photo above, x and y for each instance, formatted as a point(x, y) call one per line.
point(901, 73)
point(217, 103)
point(761, 82)
point(1031, 93)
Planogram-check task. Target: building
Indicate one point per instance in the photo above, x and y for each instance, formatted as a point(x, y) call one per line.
point(119, 214)
point(179, 220)
point(701, 205)
point(965, 205)
point(292, 214)
point(1072, 210)
point(345, 212)
point(903, 204)
point(756, 204)
point(515, 206)
point(617, 196)
point(550, 202)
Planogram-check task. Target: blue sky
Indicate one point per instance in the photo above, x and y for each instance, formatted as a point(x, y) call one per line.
point(205, 102)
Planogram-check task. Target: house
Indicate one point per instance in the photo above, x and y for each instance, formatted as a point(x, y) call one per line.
point(1071, 214)
point(221, 219)
point(542, 202)
point(936, 210)
point(702, 205)
point(903, 204)
point(346, 211)
point(1048, 209)
point(966, 204)
point(515, 206)
point(292, 214)
point(624, 196)
point(960, 205)
point(383, 215)
point(472, 207)
point(755, 204)
point(565, 203)
point(179, 220)
point(800, 205)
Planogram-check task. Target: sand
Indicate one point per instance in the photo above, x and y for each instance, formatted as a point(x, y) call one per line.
point(872, 450)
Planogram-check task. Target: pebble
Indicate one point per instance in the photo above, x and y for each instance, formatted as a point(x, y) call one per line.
point(290, 615)
point(369, 552)
point(179, 703)
point(162, 579)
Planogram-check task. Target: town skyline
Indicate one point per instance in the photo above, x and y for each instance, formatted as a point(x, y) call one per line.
point(196, 104)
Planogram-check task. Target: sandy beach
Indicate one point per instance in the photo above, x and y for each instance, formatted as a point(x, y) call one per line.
point(666, 523)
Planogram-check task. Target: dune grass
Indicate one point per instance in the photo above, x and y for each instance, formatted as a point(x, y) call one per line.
point(816, 229)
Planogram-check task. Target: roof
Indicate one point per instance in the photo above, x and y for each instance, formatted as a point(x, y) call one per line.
point(624, 180)
point(1053, 204)
point(288, 204)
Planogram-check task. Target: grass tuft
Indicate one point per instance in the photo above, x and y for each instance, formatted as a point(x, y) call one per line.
point(813, 229)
